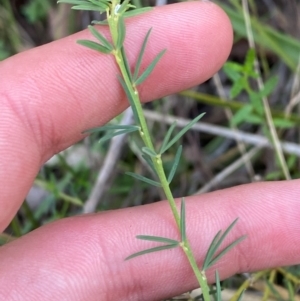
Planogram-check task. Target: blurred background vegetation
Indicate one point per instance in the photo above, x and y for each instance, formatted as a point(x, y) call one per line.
point(235, 143)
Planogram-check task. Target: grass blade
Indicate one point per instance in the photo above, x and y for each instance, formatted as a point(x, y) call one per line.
point(182, 221)
point(156, 249)
point(150, 68)
point(148, 151)
point(144, 179)
point(167, 137)
point(157, 239)
point(94, 46)
point(140, 57)
point(175, 164)
point(121, 33)
point(183, 131)
point(125, 88)
point(100, 37)
point(227, 249)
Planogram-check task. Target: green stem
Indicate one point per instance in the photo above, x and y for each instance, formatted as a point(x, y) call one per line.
point(145, 135)
point(201, 277)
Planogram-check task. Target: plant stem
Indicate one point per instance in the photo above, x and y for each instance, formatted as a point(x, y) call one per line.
point(145, 135)
point(119, 54)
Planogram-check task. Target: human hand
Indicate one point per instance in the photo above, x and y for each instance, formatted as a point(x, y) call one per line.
point(49, 95)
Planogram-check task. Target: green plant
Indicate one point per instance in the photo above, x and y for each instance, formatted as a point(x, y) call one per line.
point(117, 12)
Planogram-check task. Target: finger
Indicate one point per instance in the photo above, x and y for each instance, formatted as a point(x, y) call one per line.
point(50, 94)
point(82, 258)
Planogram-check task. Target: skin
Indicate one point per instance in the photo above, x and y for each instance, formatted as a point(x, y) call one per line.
point(49, 95)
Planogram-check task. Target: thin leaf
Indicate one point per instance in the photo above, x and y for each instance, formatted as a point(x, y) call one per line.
point(183, 131)
point(175, 164)
point(150, 68)
point(219, 242)
point(182, 221)
point(151, 153)
point(218, 287)
point(269, 86)
point(167, 137)
point(124, 6)
point(121, 33)
point(156, 249)
point(157, 239)
point(211, 250)
point(140, 57)
point(96, 22)
point(137, 11)
point(135, 113)
point(126, 64)
point(227, 249)
point(91, 7)
point(110, 127)
point(94, 46)
point(109, 136)
point(150, 163)
point(241, 114)
point(100, 37)
point(144, 179)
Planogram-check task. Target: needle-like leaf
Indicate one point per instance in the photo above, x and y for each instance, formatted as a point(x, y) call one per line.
point(151, 153)
point(211, 257)
point(126, 64)
point(140, 57)
point(121, 33)
point(182, 221)
point(110, 135)
point(124, 6)
point(175, 164)
point(211, 251)
point(110, 127)
point(100, 7)
point(136, 12)
point(183, 131)
point(155, 249)
point(144, 179)
point(100, 37)
point(133, 107)
point(157, 239)
point(150, 68)
point(218, 287)
point(227, 249)
point(94, 46)
point(149, 161)
point(167, 137)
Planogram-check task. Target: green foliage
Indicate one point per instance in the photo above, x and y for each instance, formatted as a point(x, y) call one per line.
point(254, 112)
point(169, 244)
point(149, 69)
point(90, 5)
point(144, 179)
point(211, 258)
point(36, 10)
